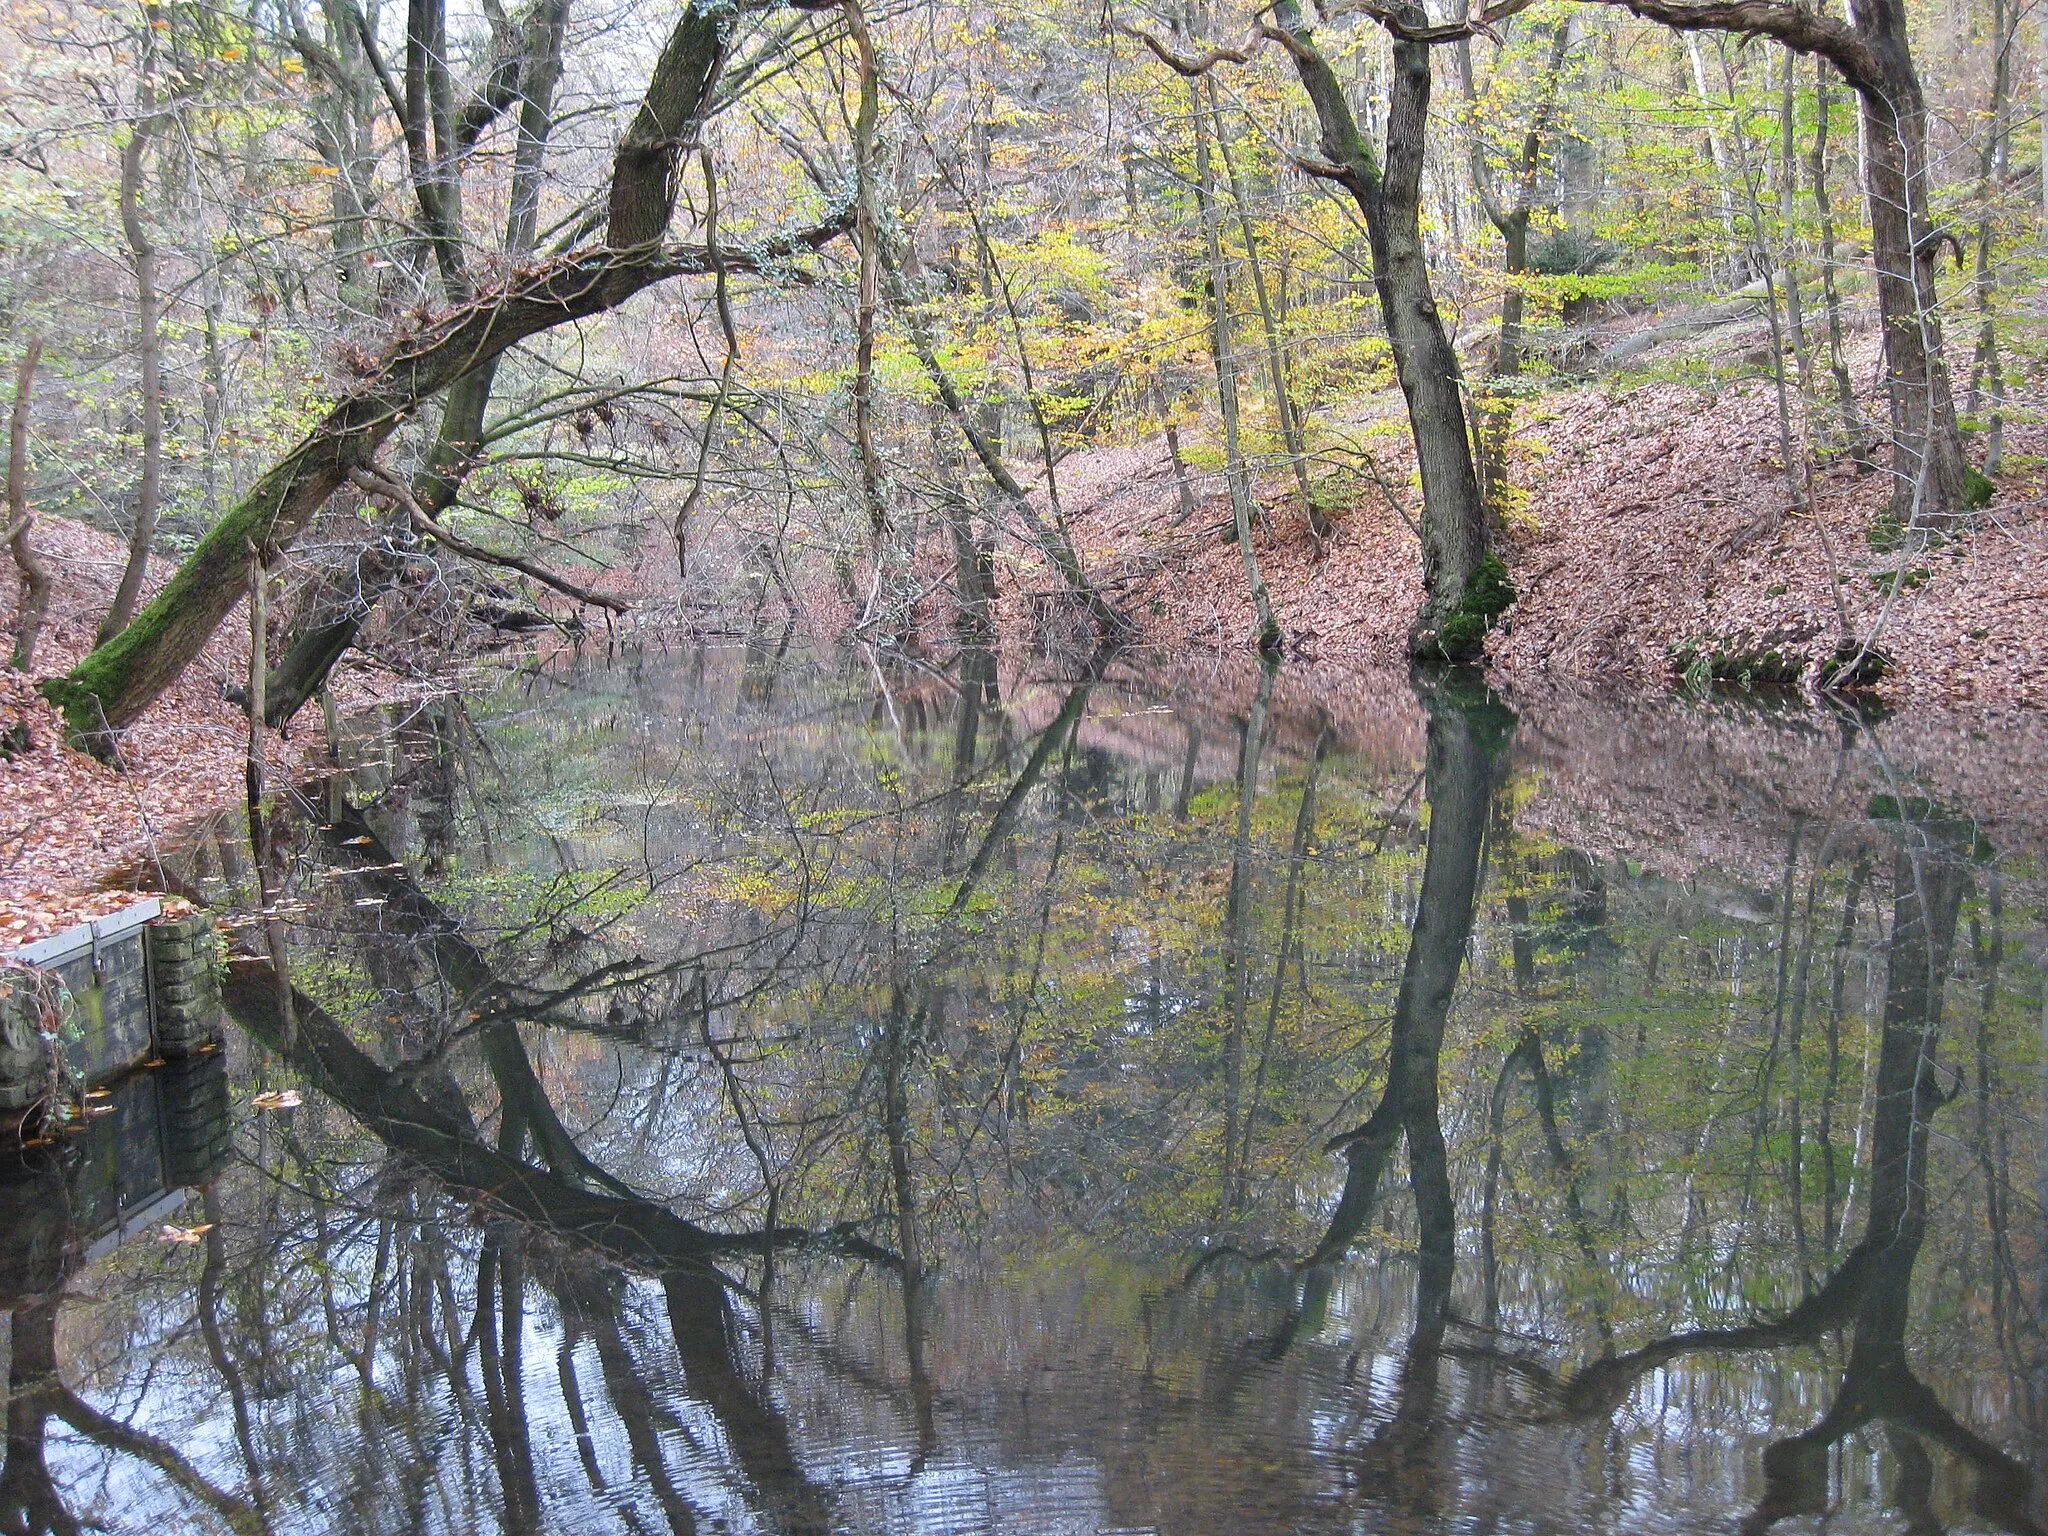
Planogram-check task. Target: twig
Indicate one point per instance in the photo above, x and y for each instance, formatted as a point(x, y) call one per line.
point(374, 482)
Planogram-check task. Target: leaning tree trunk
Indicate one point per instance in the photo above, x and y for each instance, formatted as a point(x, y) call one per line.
point(120, 679)
point(1464, 591)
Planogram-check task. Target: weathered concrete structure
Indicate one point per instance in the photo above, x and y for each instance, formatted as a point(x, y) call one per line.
point(93, 1001)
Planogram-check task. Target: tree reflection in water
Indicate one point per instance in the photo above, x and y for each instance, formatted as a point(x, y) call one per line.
point(748, 1095)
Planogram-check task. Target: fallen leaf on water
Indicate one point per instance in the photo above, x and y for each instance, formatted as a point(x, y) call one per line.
point(283, 1098)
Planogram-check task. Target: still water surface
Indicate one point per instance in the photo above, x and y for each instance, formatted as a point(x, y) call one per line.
point(744, 1093)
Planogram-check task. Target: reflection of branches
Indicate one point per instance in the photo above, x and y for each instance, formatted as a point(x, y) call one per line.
point(217, 1348)
point(1871, 1291)
point(35, 1393)
point(636, 1233)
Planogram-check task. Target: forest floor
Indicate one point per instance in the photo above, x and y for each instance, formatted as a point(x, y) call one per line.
point(1656, 516)
point(67, 821)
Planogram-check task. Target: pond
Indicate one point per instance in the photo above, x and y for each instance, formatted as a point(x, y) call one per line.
point(730, 1089)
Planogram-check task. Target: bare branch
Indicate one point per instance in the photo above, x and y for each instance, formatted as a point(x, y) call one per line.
point(1199, 65)
point(376, 482)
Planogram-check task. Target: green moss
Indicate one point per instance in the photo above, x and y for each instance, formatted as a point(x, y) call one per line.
point(1490, 592)
point(1739, 661)
point(1888, 581)
point(1853, 667)
point(1977, 489)
point(1462, 636)
point(79, 703)
point(1887, 533)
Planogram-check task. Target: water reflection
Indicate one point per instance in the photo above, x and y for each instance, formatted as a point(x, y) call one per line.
point(742, 1093)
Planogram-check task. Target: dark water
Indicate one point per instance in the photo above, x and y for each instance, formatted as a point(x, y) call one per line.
point(743, 1094)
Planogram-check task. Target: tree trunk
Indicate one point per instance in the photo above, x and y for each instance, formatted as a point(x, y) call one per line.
point(1854, 434)
point(142, 257)
point(1223, 349)
point(1927, 446)
point(867, 225)
point(1987, 373)
point(1455, 617)
point(1276, 357)
point(1717, 149)
point(1788, 208)
point(35, 581)
point(1764, 264)
point(1496, 409)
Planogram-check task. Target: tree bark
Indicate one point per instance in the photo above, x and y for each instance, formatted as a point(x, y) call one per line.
point(1854, 435)
point(149, 495)
point(1454, 534)
point(1223, 350)
point(1927, 446)
point(35, 581)
point(867, 227)
point(1987, 373)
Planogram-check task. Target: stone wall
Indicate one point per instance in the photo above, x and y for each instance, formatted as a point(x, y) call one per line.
point(184, 966)
point(91, 1003)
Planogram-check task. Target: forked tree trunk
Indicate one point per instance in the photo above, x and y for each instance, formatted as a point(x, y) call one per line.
point(324, 638)
point(1456, 609)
